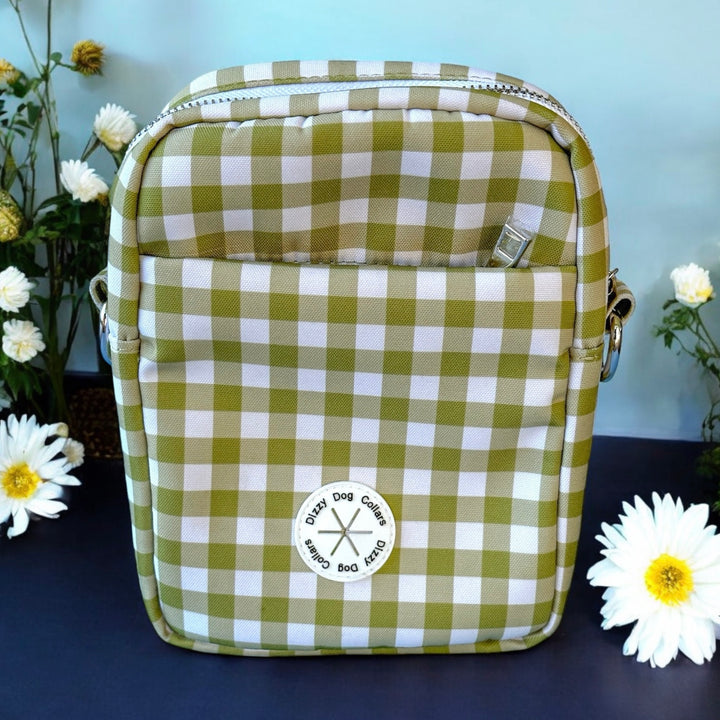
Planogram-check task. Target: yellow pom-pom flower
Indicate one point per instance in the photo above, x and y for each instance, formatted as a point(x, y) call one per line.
point(88, 57)
point(8, 72)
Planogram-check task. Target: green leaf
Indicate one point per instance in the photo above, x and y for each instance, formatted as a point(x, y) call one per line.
point(20, 87)
point(33, 112)
point(708, 464)
point(9, 172)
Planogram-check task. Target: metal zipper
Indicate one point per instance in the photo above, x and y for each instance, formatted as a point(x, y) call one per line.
point(267, 91)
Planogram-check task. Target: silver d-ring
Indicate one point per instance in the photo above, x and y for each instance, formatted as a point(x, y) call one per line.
point(104, 335)
point(612, 352)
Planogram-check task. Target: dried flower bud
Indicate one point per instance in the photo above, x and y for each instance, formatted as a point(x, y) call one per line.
point(60, 429)
point(88, 57)
point(8, 72)
point(11, 218)
point(74, 452)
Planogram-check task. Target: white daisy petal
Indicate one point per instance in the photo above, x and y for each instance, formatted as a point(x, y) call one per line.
point(708, 555)
point(691, 531)
point(48, 508)
point(667, 638)
point(704, 601)
point(20, 523)
point(698, 642)
point(48, 491)
point(606, 573)
point(5, 509)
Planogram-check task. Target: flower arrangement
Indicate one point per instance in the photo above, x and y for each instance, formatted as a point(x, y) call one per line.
point(683, 328)
point(49, 249)
point(661, 571)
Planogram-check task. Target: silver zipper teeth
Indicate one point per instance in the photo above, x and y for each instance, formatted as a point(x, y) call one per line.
point(540, 99)
point(493, 86)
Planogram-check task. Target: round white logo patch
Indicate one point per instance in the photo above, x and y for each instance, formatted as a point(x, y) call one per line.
point(344, 531)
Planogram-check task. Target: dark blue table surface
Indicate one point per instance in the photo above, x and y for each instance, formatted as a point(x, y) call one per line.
point(75, 641)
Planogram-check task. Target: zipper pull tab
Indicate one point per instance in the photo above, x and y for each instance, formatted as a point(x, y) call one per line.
point(510, 246)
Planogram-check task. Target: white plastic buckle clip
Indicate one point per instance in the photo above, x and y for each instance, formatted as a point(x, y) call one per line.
point(511, 245)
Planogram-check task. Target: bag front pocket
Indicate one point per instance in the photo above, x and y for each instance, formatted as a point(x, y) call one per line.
point(443, 389)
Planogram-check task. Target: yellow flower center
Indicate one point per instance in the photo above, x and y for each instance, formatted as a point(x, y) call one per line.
point(20, 482)
point(669, 580)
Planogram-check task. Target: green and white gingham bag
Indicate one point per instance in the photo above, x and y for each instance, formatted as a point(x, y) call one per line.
point(356, 409)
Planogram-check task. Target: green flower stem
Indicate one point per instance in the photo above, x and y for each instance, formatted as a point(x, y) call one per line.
point(675, 328)
point(15, 4)
point(707, 338)
point(50, 105)
point(44, 95)
point(56, 354)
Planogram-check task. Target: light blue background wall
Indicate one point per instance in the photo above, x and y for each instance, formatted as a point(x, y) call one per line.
point(640, 76)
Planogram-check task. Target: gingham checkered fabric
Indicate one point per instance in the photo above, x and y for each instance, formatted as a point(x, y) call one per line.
point(296, 298)
point(396, 187)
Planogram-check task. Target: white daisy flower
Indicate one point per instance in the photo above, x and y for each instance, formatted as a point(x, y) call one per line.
point(662, 572)
point(32, 470)
point(22, 340)
point(14, 289)
point(79, 179)
point(114, 127)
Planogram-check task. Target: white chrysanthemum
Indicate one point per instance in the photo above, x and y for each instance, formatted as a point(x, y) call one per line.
point(14, 289)
point(692, 285)
point(21, 341)
point(662, 572)
point(81, 181)
point(114, 127)
point(32, 470)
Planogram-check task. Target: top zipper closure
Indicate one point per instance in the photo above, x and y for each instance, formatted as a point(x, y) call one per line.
point(267, 91)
